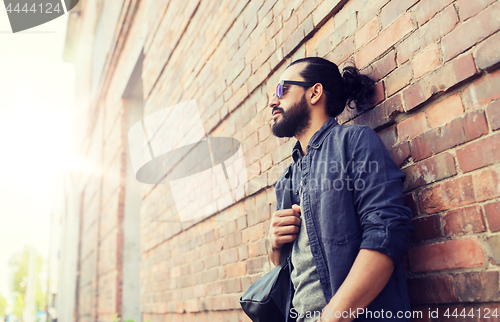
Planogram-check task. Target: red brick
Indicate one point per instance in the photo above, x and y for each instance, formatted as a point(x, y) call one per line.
point(430, 170)
point(492, 244)
point(250, 142)
point(482, 91)
point(325, 10)
point(237, 269)
point(256, 265)
point(379, 95)
point(367, 32)
point(250, 11)
point(485, 185)
point(320, 35)
point(232, 240)
point(324, 47)
point(492, 211)
point(288, 28)
point(233, 70)
point(426, 9)
point(382, 114)
point(463, 221)
point(471, 32)
point(298, 36)
point(252, 233)
point(487, 57)
point(381, 67)
point(425, 61)
point(275, 27)
point(289, 9)
point(227, 93)
point(232, 285)
point(474, 125)
point(266, 162)
point(388, 136)
point(398, 79)
point(344, 30)
point(278, 7)
point(259, 77)
point(426, 228)
point(229, 256)
point(450, 194)
point(453, 254)
point(211, 261)
point(264, 55)
point(283, 151)
point(270, 145)
point(265, 9)
point(451, 74)
point(250, 26)
point(370, 8)
point(306, 8)
point(342, 52)
point(257, 248)
point(458, 131)
point(400, 153)
point(476, 287)
point(468, 9)
point(348, 114)
point(431, 289)
point(209, 275)
point(393, 10)
point(479, 153)
point(261, 201)
point(411, 202)
point(413, 96)
point(238, 98)
point(228, 228)
point(384, 40)
point(412, 127)
point(434, 29)
point(445, 111)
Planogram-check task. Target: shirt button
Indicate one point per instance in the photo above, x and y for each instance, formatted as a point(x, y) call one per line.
point(296, 192)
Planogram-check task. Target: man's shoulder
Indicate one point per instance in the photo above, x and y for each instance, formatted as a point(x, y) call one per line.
point(351, 137)
point(350, 132)
point(350, 128)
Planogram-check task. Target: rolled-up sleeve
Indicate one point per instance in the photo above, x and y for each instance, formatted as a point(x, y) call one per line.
point(378, 196)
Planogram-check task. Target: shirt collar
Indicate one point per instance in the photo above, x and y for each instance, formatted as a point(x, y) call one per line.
point(315, 140)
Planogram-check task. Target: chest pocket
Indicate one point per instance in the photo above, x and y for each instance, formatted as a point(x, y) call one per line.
point(339, 222)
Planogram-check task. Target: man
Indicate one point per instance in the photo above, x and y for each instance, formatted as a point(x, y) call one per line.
point(349, 226)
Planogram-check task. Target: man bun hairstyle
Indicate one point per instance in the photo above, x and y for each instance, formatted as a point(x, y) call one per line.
point(351, 88)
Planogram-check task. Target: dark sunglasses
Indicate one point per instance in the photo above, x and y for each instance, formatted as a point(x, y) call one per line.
point(279, 88)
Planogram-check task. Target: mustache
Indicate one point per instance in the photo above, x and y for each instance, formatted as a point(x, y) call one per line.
point(277, 109)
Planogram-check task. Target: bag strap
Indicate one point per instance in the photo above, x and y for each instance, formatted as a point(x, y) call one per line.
point(287, 204)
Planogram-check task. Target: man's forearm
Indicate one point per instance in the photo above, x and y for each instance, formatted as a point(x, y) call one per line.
point(368, 276)
point(274, 255)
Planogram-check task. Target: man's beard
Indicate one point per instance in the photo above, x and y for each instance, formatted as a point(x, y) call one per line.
point(293, 122)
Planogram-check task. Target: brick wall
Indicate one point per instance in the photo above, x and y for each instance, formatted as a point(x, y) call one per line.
point(436, 109)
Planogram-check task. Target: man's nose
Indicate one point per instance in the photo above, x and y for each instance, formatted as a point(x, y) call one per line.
point(274, 101)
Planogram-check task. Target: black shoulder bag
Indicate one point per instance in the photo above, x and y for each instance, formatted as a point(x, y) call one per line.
point(268, 299)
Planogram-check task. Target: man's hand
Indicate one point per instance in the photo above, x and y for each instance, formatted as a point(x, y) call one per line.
point(284, 228)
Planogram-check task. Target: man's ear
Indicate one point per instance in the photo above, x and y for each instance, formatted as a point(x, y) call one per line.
point(316, 93)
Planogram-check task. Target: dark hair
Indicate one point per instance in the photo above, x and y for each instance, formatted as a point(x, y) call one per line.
point(348, 88)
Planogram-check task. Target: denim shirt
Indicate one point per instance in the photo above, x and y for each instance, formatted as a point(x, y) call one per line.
point(353, 199)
